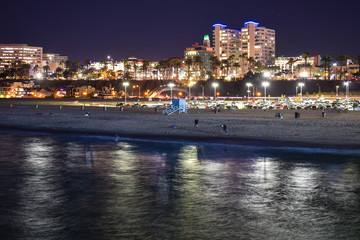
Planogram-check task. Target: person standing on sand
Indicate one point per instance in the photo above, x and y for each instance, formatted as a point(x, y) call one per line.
point(225, 128)
point(196, 123)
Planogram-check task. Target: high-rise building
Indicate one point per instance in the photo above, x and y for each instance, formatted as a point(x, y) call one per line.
point(250, 41)
point(15, 54)
point(258, 43)
point(226, 42)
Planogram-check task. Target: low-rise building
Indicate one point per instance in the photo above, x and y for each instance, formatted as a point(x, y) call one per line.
point(54, 60)
point(204, 51)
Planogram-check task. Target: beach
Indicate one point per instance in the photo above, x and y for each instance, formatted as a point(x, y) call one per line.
point(337, 128)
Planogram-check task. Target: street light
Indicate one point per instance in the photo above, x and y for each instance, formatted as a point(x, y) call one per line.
point(125, 85)
point(335, 65)
point(267, 74)
point(38, 75)
point(304, 74)
point(171, 85)
point(347, 83)
point(301, 86)
point(265, 84)
point(248, 91)
point(190, 84)
point(215, 85)
point(337, 90)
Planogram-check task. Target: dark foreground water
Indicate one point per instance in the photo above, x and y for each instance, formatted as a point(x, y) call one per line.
point(71, 187)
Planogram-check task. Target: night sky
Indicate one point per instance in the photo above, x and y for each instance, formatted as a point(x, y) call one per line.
point(162, 29)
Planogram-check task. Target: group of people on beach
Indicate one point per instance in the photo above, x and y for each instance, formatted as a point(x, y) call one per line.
point(224, 127)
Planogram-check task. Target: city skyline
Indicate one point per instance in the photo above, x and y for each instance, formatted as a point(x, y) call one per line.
point(160, 29)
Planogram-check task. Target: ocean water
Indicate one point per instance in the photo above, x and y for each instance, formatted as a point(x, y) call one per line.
point(88, 187)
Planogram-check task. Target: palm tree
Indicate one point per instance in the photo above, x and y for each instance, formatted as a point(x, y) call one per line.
point(327, 62)
point(305, 55)
point(36, 68)
point(135, 66)
point(87, 63)
point(291, 63)
point(230, 62)
point(243, 58)
point(198, 63)
point(188, 64)
point(236, 65)
point(46, 69)
point(258, 66)
point(68, 64)
point(251, 61)
point(78, 66)
point(58, 71)
point(214, 64)
point(23, 71)
point(342, 59)
point(177, 65)
point(145, 67)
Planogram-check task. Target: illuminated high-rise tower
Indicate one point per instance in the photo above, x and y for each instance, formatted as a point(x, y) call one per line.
point(250, 41)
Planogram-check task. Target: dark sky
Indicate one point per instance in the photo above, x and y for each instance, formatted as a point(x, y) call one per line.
point(162, 29)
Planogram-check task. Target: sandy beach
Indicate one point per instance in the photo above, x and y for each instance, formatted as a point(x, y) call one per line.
point(338, 128)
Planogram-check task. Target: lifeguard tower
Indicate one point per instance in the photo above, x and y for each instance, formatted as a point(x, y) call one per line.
point(177, 105)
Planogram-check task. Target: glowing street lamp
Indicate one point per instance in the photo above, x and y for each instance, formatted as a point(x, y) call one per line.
point(171, 85)
point(215, 85)
point(248, 91)
point(38, 75)
point(301, 86)
point(267, 74)
point(265, 84)
point(335, 65)
point(304, 74)
point(125, 84)
point(337, 90)
point(347, 83)
point(190, 84)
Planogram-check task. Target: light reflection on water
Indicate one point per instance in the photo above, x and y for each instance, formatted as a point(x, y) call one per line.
point(67, 187)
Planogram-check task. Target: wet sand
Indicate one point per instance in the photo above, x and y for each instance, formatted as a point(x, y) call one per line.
point(338, 128)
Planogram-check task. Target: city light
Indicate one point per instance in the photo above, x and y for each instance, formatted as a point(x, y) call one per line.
point(304, 74)
point(190, 84)
point(125, 84)
point(248, 91)
point(38, 75)
point(215, 85)
point(171, 85)
point(301, 86)
point(267, 74)
point(347, 84)
point(265, 84)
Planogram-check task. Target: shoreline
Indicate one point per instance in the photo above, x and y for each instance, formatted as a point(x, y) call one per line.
point(338, 130)
point(198, 139)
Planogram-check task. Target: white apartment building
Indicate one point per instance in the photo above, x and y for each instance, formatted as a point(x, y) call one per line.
point(226, 42)
point(11, 54)
point(258, 43)
point(250, 41)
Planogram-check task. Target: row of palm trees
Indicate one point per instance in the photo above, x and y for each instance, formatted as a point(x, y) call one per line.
point(328, 62)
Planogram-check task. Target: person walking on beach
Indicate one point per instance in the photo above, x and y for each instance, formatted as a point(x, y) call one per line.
point(196, 123)
point(225, 128)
